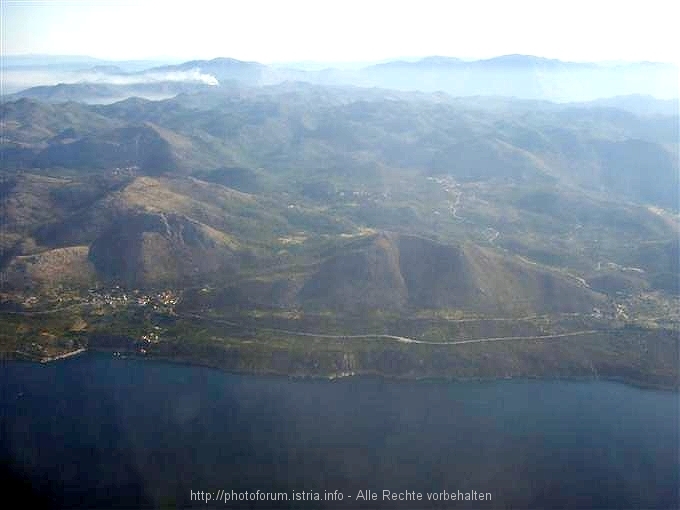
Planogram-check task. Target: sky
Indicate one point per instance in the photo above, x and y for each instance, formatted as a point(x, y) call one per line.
point(342, 30)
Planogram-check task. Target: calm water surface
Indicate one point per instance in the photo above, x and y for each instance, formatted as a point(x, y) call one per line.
point(98, 431)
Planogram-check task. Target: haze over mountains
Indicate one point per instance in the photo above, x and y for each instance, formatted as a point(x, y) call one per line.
point(520, 76)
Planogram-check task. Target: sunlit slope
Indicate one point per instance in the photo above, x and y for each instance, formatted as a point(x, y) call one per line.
point(488, 203)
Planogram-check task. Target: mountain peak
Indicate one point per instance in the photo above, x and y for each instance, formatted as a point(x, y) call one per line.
point(519, 60)
point(439, 60)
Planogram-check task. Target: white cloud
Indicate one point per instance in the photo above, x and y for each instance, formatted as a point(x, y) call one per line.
point(191, 76)
point(14, 80)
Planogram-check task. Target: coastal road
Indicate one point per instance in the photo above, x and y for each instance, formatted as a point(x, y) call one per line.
point(397, 338)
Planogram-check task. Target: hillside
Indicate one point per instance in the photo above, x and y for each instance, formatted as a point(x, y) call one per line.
point(540, 183)
point(271, 214)
point(399, 272)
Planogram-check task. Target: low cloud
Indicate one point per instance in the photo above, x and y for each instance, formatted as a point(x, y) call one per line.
point(190, 76)
point(14, 80)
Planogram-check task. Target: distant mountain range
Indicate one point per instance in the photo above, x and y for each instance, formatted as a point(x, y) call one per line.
point(518, 76)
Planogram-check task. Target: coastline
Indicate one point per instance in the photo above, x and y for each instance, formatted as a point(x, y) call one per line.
point(356, 373)
point(70, 354)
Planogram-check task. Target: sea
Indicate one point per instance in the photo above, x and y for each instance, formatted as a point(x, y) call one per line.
point(104, 431)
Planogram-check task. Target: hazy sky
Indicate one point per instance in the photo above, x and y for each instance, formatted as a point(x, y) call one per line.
point(348, 30)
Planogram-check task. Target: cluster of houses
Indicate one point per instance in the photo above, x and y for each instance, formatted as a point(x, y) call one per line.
point(117, 297)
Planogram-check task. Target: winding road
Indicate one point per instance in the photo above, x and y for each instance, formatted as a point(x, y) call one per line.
point(402, 339)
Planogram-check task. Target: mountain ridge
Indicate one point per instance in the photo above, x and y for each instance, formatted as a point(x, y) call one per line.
point(522, 76)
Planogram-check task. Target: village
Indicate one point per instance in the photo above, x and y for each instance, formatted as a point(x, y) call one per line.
point(97, 300)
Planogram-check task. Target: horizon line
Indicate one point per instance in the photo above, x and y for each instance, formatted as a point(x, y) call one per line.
point(410, 59)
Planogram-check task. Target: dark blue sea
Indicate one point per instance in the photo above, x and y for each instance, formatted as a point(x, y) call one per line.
point(97, 431)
